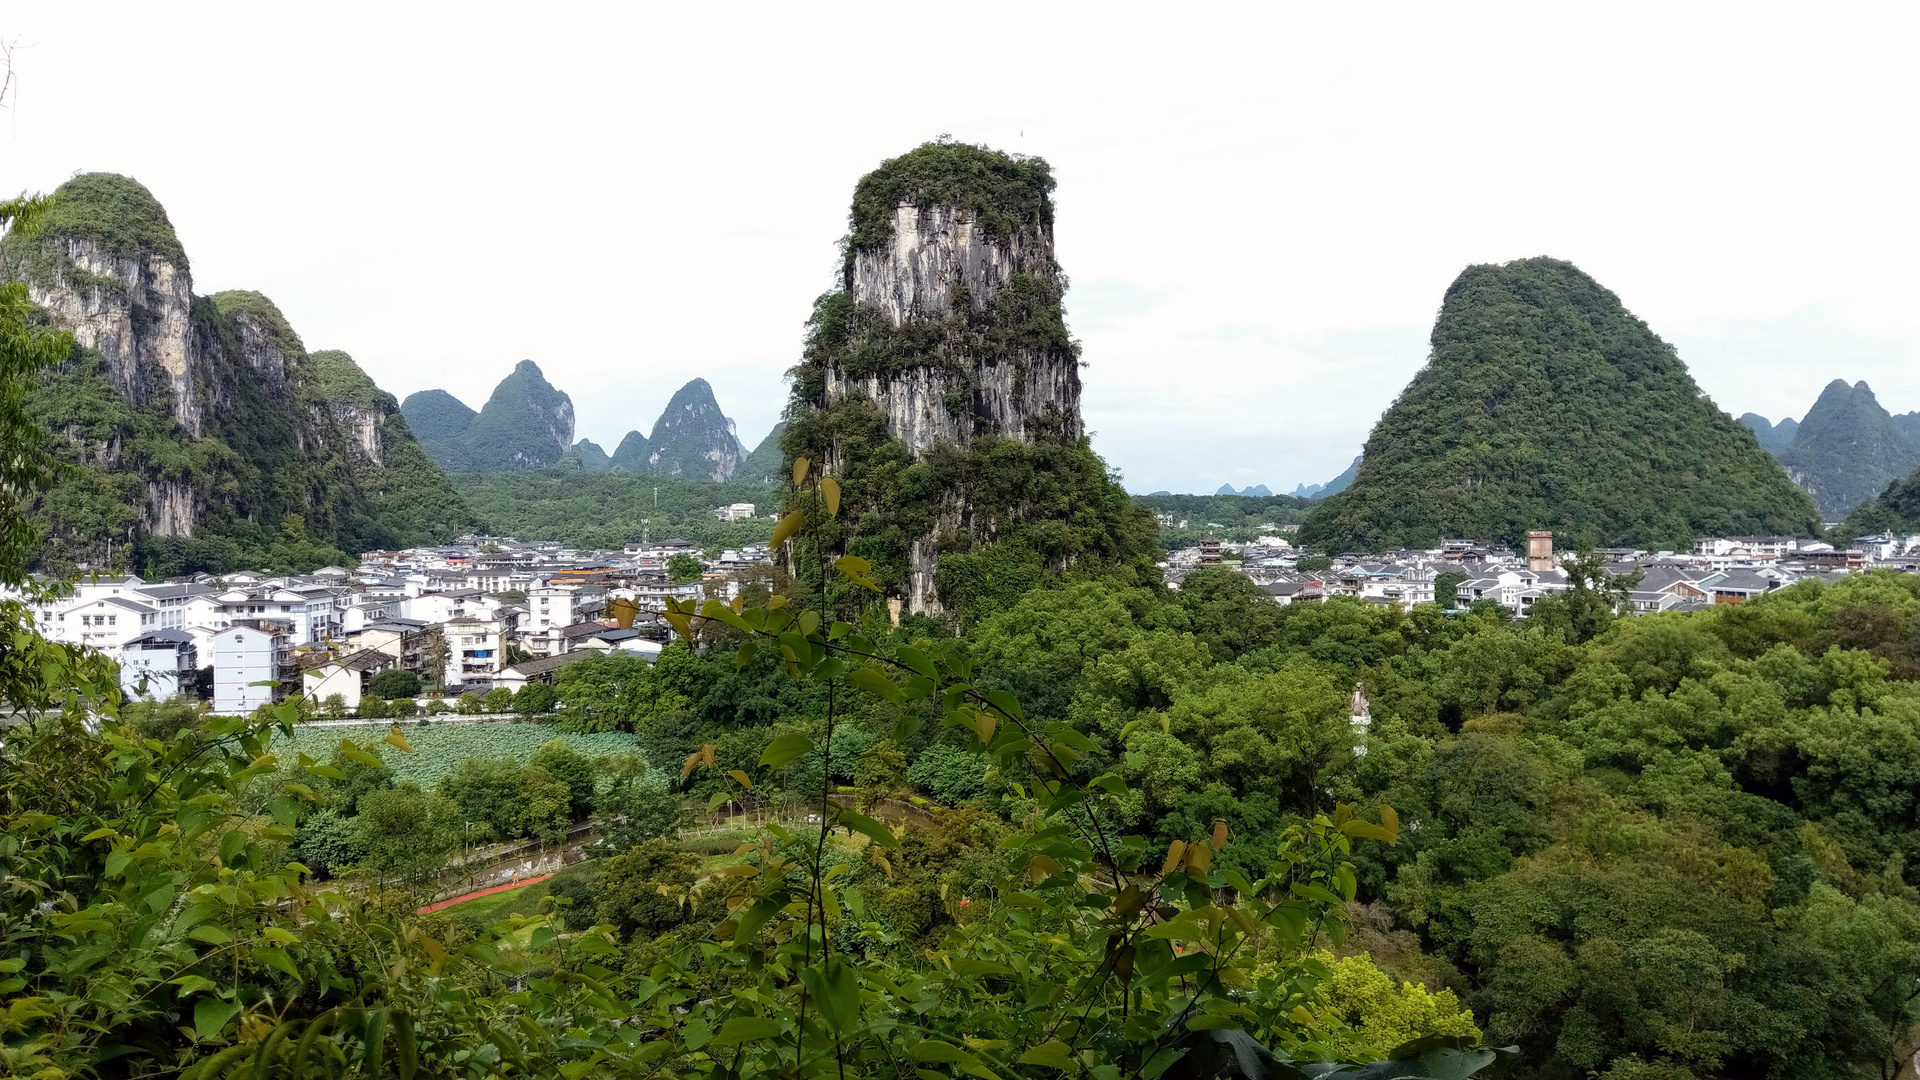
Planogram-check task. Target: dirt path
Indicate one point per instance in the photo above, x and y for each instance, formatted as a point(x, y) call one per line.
point(440, 905)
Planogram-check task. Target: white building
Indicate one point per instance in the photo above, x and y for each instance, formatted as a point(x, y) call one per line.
point(475, 649)
point(245, 655)
point(158, 664)
point(735, 512)
point(550, 606)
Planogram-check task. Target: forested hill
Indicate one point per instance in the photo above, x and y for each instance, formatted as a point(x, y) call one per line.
point(1545, 404)
point(526, 424)
point(1849, 448)
point(204, 435)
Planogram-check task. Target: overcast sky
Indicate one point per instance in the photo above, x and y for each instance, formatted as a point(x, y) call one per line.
point(1259, 207)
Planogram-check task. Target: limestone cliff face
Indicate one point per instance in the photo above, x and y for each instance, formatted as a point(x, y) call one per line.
point(186, 413)
point(942, 266)
point(948, 332)
point(134, 309)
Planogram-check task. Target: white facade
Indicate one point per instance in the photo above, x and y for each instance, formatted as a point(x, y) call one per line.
point(242, 657)
point(158, 665)
point(475, 649)
point(549, 606)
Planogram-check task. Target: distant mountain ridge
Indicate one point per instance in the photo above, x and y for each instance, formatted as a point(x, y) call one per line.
point(526, 424)
point(1846, 450)
point(1545, 404)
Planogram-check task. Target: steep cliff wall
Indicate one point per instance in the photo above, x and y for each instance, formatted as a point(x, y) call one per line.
point(940, 385)
point(202, 434)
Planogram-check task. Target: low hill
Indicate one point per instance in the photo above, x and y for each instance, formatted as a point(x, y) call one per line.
point(1545, 404)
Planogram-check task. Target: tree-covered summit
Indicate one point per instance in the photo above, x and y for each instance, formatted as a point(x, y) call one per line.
point(117, 212)
point(1003, 192)
point(526, 424)
point(1545, 404)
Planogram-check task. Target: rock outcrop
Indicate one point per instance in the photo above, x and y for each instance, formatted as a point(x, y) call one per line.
point(199, 421)
point(944, 349)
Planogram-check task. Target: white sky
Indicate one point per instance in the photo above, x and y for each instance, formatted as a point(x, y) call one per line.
point(1259, 206)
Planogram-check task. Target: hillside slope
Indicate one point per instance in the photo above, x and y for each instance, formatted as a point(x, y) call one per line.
point(1545, 404)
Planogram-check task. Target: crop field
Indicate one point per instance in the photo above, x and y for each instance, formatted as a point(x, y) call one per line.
point(438, 748)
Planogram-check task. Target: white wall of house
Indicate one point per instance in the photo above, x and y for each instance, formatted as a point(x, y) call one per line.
point(242, 656)
point(323, 682)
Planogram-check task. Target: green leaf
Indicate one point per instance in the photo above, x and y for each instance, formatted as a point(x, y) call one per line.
point(1005, 702)
point(785, 749)
point(543, 937)
point(746, 1028)
point(836, 990)
point(210, 934)
point(872, 829)
point(949, 1054)
point(278, 960)
point(745, 655)
point(917, 660)
point(1053, 1054)
point(871, 680)
point(756, 916)
point(211, 1015)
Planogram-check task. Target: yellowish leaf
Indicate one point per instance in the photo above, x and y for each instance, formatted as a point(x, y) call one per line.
point(394, 738)
point(788, 526)
point(800, 467)
point(830, 490)
point(744, 780)
point(1219, 833)
point(1175, 852)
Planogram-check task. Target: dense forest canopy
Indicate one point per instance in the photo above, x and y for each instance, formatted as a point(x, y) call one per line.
point(1547, 405)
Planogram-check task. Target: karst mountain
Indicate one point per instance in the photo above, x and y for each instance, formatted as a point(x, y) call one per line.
point(205, 435)
point(1847, 449)
point(1545, 404)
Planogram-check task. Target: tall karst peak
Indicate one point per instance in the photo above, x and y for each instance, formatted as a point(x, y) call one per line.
point(693, 437)
point(203, 432)
point(945, 348)
point(1775, 437)
point(1848, 448)
point(1545, 404)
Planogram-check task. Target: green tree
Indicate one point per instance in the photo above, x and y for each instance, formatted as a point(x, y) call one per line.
point(683, 567)
point(572, 768)
point(395, 683)
point(649, 890)
point(634, 804)
point(406, 835)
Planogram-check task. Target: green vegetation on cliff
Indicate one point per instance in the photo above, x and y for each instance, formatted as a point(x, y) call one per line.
point(693, 438)
point(767, 463)
point(1547, 405)
point(116, 212)
point(1005, 193)
point(525, 424)
point(1003, 515)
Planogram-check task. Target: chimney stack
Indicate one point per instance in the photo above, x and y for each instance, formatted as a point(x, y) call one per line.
point(1539, 551)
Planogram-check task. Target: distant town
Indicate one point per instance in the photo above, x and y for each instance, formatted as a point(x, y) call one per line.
point(489, 612)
